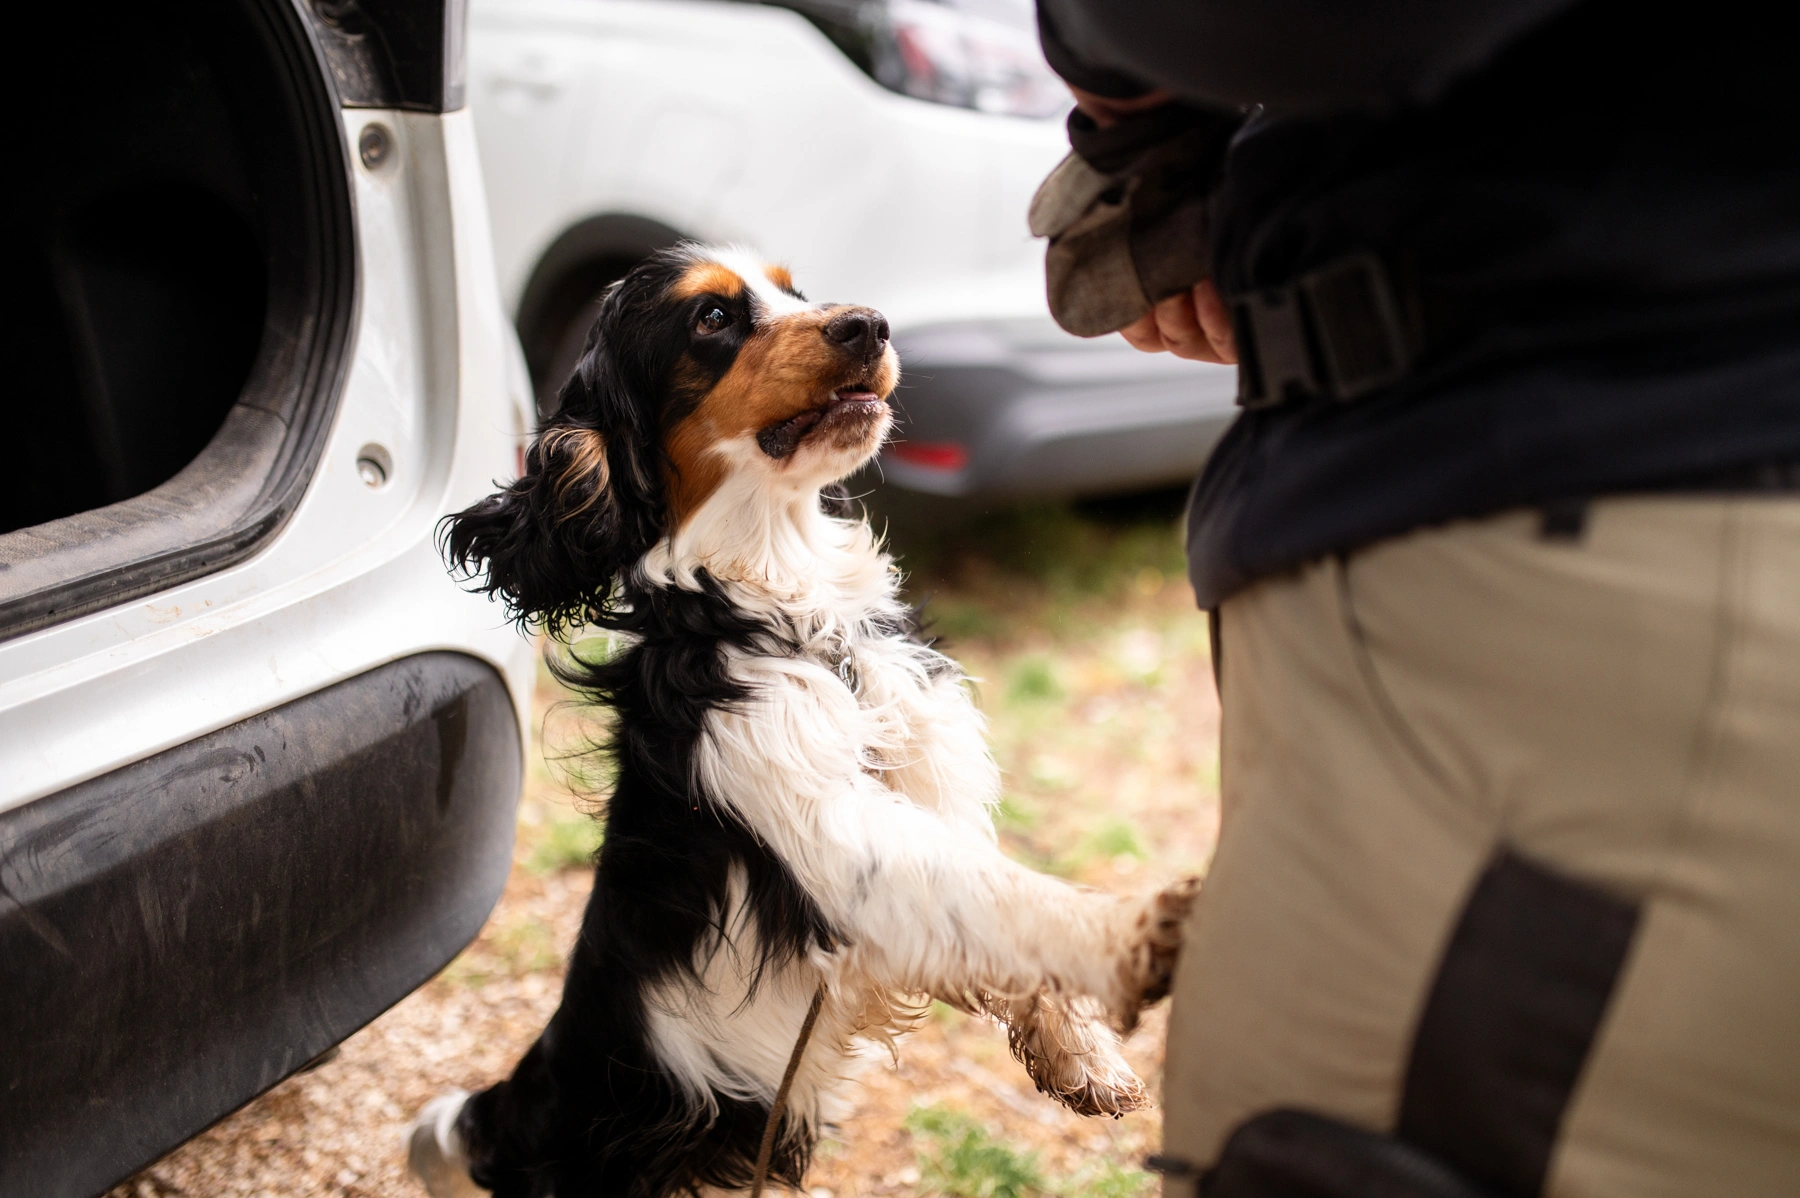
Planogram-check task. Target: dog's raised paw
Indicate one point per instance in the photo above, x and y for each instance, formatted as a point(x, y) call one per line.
point(1071, 1054)
point(1148, 968)
point(1116, 1096)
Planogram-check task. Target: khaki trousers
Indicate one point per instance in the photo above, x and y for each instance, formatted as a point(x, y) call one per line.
point(1621, 709)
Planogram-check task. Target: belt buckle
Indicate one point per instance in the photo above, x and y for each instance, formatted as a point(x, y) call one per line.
point(1361, 332)
point(1337, 331)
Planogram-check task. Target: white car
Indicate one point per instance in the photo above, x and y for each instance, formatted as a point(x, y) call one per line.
point(885, 150)
point(259, 753)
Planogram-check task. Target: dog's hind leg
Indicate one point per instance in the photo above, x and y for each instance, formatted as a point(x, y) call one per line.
point(494, 1136)
point(435, 1151)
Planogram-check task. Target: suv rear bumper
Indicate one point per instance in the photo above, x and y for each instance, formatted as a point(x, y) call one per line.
point(183, 933)
point(1018, 407)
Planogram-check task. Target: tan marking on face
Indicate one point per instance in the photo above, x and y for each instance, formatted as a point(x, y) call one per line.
point(693, 472)
point(708, 278)
point(780, 276)
point(577, 457)
point(785, 367)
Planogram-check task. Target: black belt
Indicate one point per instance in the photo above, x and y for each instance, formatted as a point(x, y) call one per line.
point(1339, 332)
point(1355, 325)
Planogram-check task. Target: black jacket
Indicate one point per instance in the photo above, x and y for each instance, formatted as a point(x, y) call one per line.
point(1597, 203)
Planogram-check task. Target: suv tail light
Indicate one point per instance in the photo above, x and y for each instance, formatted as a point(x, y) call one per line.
point(930, 455)
point(980, 54)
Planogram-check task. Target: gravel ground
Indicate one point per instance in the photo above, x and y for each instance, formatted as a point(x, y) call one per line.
point(1092, 665)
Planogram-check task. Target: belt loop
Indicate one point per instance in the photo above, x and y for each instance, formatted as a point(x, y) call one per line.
point(1174, 1170)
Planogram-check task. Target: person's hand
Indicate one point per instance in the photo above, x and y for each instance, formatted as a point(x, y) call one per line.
point(1193, 324)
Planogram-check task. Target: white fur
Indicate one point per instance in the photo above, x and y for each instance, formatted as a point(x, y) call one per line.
point(860, 761)
point(716, 1043)
point(747, 266)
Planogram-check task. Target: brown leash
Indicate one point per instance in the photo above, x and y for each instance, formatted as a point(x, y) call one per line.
point(773, 1126)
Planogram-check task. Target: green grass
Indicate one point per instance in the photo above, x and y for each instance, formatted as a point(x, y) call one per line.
point(961, 1160)
point(1092, 548)
point(527, 947)
point(1054, 559)
point(567, 842)
point(1115, 837)
point(511, 950)
point(1016, 815)
point(963, 620)
point(1033, 680)
point(1108, 1180)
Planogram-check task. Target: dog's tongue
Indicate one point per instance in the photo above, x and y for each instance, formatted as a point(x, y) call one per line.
point(849, 394)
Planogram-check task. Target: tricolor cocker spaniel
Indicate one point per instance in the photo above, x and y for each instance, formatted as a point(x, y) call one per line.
point(803, 791)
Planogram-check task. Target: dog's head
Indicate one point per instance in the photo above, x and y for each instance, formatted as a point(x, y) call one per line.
point(707, 376)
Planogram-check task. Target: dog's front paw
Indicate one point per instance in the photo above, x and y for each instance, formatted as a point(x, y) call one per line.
point(1071, 1054)
point(1148, 966)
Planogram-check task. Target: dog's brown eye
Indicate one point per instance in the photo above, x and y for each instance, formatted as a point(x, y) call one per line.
point(713, 319)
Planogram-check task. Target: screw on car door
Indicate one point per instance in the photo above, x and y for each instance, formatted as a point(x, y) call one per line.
point(374, 145)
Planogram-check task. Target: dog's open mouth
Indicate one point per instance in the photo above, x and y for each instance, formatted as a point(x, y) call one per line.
point(850, 408)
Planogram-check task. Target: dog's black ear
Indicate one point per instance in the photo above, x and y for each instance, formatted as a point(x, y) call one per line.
point(553, 544)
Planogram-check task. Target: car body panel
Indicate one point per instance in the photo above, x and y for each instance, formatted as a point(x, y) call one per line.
point(765, 135)
point(735, 122)
point(354, 579)
point(243, 814)
point(1033, 412)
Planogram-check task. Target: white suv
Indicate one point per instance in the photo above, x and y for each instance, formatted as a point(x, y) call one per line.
point(259, 754)
point(886, 150)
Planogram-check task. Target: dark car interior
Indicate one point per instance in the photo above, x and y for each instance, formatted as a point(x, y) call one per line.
point(181, 248)
point(142, 261)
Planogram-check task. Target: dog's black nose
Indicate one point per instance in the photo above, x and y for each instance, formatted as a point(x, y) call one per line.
point(862, 331)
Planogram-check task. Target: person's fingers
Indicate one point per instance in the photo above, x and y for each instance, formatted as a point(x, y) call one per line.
point(1176, 321)
point(1142, 335)
point(1180, 327)
point(1215, 321)
point(1194, 324)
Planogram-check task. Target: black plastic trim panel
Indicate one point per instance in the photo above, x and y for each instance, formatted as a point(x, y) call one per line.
point(181, 934)
point(408, 54)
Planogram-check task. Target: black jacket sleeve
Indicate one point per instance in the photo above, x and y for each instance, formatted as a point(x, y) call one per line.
point(1301, 57)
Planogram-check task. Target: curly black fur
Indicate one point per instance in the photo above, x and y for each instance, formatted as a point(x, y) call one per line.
point(553, 550)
